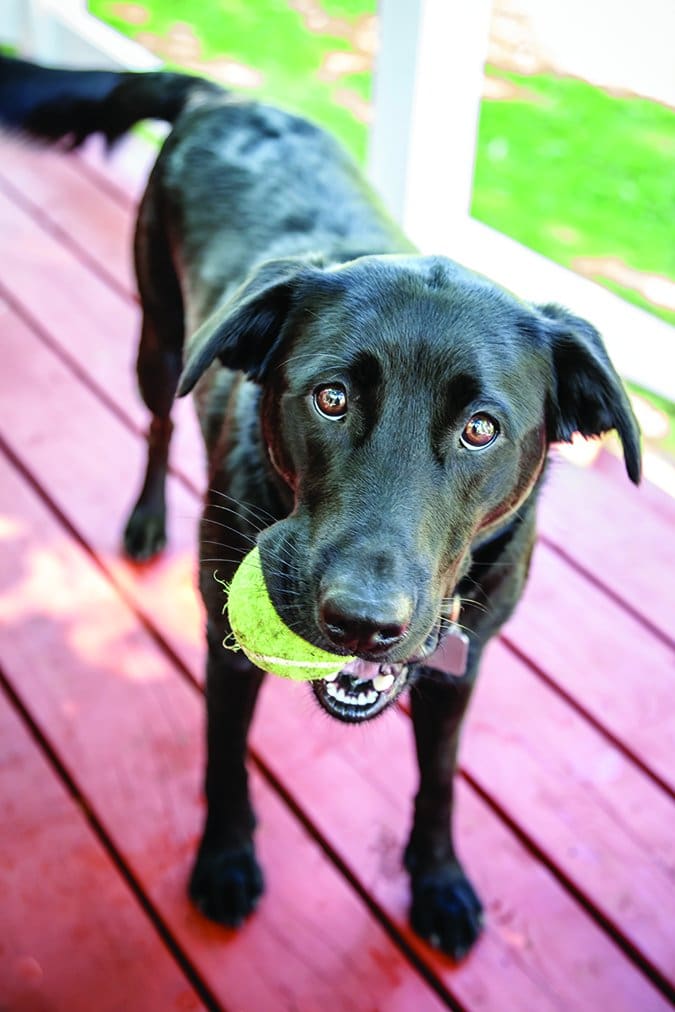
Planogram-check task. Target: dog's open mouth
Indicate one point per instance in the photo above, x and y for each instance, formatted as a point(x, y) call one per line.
point(361, 690)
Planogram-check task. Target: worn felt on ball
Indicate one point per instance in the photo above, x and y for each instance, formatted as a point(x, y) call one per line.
point(264, 637)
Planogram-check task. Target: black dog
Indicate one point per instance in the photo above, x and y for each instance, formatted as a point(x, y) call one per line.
point(387, 414)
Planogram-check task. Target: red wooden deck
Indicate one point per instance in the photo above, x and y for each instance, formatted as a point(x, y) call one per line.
point(566, 814)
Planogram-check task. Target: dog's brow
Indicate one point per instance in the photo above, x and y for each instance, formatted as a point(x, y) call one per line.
point(461, 391)
point(365, 369)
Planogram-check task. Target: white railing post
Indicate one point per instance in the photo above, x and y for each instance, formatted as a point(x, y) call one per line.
point(427, 93)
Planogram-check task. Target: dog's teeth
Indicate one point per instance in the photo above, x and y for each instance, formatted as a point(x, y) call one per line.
point(383, 682)
point(351, 699)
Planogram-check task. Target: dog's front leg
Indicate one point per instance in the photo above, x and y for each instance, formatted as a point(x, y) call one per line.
point(226, 881)
point(445, 909)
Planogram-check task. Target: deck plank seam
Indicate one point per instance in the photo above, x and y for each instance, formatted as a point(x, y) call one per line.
point(144, 619)
point(62, 773)
point(378, 912)
point(43, 335)
point(587, 715)
point(116, 191)
point(44, 220)
point(666, 987)
point(610, 592)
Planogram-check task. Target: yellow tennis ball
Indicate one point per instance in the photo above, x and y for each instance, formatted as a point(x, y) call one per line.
point(264, 637)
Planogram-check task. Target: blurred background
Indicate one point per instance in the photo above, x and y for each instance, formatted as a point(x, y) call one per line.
point(576, 139)
point(576, 132)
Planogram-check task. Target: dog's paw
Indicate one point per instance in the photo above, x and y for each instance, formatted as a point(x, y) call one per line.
point(145, 533)
point(446, 911)
point(226, 884)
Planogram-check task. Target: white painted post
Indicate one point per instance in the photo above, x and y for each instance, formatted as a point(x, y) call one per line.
point(428, 86)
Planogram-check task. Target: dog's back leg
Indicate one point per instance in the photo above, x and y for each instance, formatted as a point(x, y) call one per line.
point(159, 366)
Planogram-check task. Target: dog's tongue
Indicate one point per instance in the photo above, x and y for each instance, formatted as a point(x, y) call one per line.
point(362, 671)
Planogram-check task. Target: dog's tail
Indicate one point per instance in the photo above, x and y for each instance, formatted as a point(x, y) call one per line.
point(52, 105)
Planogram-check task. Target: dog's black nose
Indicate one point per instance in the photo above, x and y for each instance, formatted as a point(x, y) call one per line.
point(358, 632)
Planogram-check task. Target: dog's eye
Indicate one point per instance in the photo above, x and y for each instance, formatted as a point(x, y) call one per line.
point(479, 431)
point(331, 400)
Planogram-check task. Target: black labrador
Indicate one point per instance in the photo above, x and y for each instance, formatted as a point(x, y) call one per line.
point(378, 421)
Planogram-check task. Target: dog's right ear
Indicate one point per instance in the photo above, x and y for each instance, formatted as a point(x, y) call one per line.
point(247, 331)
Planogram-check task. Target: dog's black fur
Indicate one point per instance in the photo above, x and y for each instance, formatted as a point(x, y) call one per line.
point(342, 382)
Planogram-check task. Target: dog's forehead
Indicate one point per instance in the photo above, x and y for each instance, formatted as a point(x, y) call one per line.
point(416, 315)
point(432, 297)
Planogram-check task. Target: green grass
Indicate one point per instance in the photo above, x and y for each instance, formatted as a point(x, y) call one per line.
point(361, 83)
point(572, 172)
point(348, 9)
point(271, 37)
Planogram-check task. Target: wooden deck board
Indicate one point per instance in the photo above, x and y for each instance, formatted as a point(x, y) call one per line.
point(596, 653)
point(92, 325)
point(86, 219)
point(59, 428)
point(607, 827)
point(569, 788)
point(68, 919)
point(622, 536)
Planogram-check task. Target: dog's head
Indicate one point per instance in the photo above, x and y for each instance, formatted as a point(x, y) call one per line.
point(409, 405)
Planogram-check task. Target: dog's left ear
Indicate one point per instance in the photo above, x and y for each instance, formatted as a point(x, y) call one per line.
point(247, 331)
point(587, 396)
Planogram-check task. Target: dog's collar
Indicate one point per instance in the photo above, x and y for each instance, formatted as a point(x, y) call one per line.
point(451, 656)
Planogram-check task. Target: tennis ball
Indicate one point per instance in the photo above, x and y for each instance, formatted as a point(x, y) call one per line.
point(264, 637)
